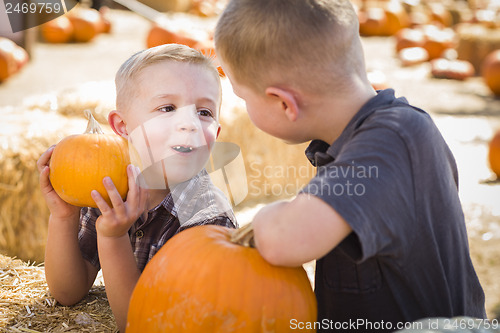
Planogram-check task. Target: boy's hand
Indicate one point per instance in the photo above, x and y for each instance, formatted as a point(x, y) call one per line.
point(57, 206)
point(115, 222)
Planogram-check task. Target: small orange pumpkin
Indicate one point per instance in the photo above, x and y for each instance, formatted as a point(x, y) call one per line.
point(58, 30)
point(396, 18)
point(8, 65)
point(80, 162)
point(451, 69)
point(490, 71)
point(372, 21)
point(87, 24)
point(160, 34)
point(494, 154)
point(203, 280)
point(408, 37)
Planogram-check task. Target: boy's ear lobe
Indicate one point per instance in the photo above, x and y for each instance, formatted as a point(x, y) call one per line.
point(115, 120)
point(288, 101)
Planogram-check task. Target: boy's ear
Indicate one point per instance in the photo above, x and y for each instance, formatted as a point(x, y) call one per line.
point(118, 125)
point(287, 99)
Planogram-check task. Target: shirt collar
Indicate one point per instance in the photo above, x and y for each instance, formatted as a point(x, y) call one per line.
point(320, 153)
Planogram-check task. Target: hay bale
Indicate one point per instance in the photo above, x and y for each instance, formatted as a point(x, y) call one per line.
point(475, 42)
point(96, 96)
point(24, 136)
point(28, 307)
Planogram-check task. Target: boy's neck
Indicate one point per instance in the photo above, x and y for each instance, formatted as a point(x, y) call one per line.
point(155, 197)
point(334, 114)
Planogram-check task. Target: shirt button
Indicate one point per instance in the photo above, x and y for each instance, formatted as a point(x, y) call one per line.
point(139, 234)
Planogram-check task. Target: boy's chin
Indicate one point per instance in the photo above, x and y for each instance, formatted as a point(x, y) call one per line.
point(162, 177)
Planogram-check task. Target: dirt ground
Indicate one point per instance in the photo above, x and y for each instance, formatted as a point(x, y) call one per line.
point(465, 112)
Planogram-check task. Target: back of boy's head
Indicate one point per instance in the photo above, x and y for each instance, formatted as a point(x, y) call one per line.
point(313, 44)
point(134, 65)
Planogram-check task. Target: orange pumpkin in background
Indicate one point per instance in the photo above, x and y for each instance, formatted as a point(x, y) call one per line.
point(437, 40)
point(490, 71)
point(396, 18)
point(12, 58)
point(58, 30)
point(87, 23)
point(160, 33)
point(372, 21)
point(80, 162)
point(408, 37)
point(494, 154)
point(8, 65)
point(206, 280)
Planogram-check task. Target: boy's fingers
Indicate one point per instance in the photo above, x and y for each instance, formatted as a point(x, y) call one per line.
point(100, 202)
point(43, 161)
point(44, 178)
point(115, 198)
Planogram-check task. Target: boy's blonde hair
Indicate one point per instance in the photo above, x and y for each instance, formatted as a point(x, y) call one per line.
point(312, 44)
point(129, 70)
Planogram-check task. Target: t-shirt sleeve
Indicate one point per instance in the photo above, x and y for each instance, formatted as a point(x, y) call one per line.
point(370, 185)
point(87, 236)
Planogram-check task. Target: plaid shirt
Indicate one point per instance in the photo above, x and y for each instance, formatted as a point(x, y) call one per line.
point(194, 202)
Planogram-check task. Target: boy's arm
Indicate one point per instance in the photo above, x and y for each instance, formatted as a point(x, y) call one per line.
point(293, 233)
point(120, 273)
point(68, 275)
point(119, 267)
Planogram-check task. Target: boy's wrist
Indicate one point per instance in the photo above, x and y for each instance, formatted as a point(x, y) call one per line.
point(65, 222)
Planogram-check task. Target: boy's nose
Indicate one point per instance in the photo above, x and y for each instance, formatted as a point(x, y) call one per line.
point(187, 120)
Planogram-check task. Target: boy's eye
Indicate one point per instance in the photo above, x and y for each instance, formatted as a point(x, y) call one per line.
point(167, 108)
point(205, 113)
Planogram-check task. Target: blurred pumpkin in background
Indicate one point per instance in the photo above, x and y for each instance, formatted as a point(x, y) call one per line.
point(490, 71)
point(494, 154)
point(58, 30)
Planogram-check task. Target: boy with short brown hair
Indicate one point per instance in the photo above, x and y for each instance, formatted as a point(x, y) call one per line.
point(382, 217)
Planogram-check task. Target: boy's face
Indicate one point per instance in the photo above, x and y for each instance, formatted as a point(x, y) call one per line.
point(172, 121)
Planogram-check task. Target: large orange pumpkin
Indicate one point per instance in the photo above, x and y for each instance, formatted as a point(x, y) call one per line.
point(80, 162)
point(203, 281)
point(494, 154)
point(490, 70)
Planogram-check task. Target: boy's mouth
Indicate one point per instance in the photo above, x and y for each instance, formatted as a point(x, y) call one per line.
point(183, 149)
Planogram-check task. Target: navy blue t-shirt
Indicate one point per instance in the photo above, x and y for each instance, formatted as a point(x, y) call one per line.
point(392, 177)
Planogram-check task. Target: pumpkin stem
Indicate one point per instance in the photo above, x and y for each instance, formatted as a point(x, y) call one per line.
point(244, 236)
point(92, 126)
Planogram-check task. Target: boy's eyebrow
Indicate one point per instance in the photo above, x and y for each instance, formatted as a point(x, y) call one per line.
point(199, 100)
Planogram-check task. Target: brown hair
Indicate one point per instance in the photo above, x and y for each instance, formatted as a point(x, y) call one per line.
point(308, 43)
point(142, 59)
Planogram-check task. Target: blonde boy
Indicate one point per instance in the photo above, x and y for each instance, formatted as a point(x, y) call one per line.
point(382, 217)
point(168, 99)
